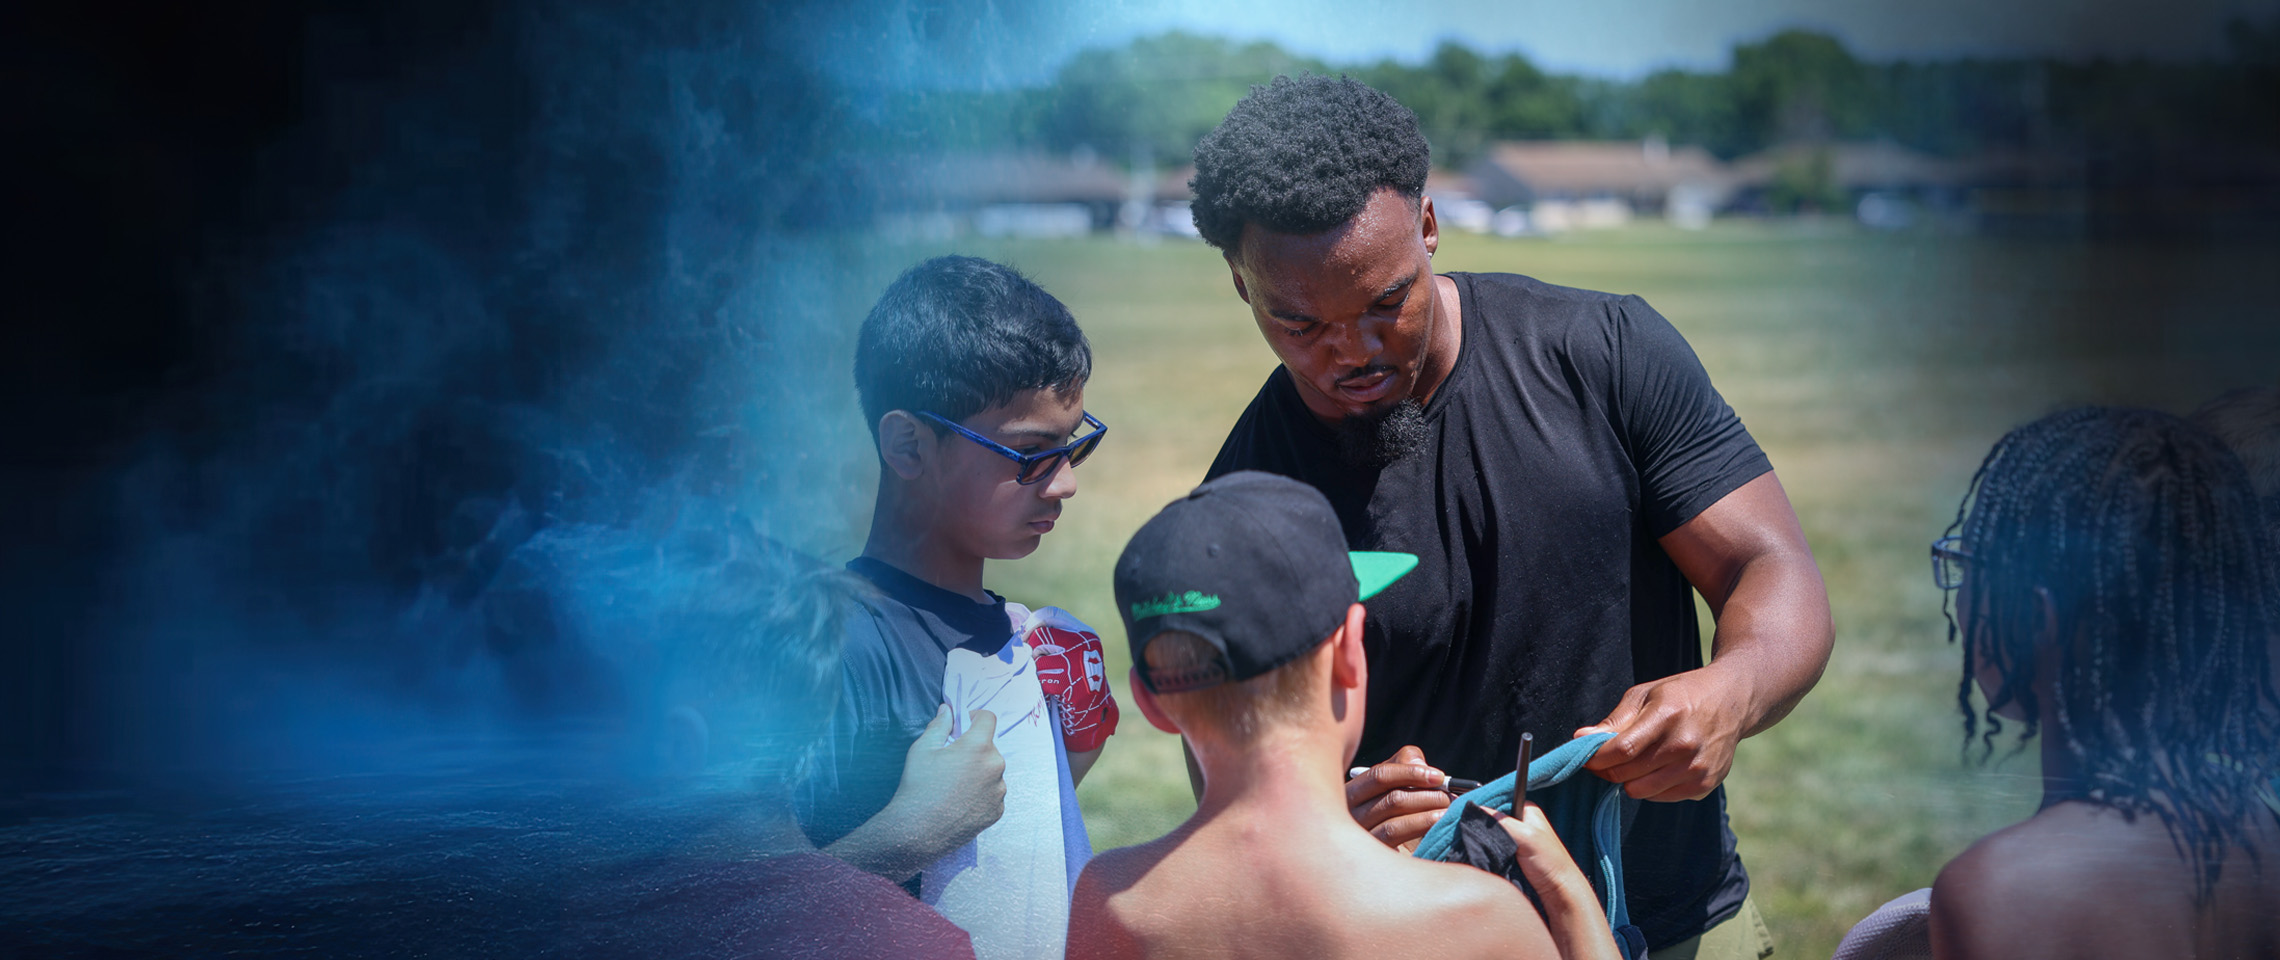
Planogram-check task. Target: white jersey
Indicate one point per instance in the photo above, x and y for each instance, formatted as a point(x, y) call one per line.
point(1009, 888)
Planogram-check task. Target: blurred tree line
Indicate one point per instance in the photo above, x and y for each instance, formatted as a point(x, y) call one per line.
point(1149, 100)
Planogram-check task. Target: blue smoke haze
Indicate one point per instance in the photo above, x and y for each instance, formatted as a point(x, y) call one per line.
point(504, 269)
point(350, 346)
point(355, 348)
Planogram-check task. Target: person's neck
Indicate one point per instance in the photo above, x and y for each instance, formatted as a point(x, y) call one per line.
point(1448, 339)
point(1289, 772)
point(2062, 777)
point(903, 536)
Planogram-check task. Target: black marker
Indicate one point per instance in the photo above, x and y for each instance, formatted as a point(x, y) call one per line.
point(1520, 780)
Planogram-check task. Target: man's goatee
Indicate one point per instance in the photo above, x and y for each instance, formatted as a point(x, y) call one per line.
point(1381, 437)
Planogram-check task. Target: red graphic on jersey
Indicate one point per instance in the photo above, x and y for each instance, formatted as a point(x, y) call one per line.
point(1067, 655)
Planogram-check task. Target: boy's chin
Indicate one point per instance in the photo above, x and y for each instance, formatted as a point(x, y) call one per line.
point(1018, 547)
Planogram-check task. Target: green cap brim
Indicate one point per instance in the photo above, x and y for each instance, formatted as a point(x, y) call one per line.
point(1377, 570)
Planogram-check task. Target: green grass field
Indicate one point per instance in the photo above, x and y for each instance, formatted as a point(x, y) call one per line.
point(1875, 371)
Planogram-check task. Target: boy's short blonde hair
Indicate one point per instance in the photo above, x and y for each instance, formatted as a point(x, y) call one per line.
point(1239, 709)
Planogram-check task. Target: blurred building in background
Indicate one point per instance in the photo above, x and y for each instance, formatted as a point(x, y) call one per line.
point(1565, 185)
point(996, 194)
point(1521, 188)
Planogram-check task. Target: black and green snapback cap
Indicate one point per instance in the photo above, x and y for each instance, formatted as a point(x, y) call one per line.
point(1253, 563)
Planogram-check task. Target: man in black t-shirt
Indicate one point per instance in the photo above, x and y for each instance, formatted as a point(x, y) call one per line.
point(1560, 464)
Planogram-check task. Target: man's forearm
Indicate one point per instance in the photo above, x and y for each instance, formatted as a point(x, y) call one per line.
point(1747, 556)
point(890, 845)
point(1675, 736)
point(1774, 635)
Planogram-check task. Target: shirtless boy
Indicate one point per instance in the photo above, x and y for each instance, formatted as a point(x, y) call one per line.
point(1241, 604)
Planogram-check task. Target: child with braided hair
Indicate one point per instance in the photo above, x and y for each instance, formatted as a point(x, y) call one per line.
point(2114, 594)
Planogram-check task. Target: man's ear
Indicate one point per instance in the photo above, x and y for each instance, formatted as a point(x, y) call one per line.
point(1349, 666)
point(1429, 224)
point(1147, 702)
point(1236, 272)
point(904, 443)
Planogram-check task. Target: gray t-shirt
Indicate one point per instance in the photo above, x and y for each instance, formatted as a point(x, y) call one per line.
point(890, 687)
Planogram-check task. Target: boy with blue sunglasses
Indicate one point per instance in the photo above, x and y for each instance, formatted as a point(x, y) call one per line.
point(965, 720)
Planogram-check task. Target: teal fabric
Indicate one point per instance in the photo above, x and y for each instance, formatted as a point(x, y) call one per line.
point(1588, 814)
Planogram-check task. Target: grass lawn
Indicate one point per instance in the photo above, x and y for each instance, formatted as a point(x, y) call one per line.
point(1875, 371)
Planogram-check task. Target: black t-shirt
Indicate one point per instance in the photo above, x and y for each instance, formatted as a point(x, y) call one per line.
point(890, 687)
point(1575, 430)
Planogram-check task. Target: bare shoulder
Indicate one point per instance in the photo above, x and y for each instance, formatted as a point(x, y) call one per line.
point(1990, 892)
point(1472, 911)
point(2072, 881)
point(1117, 869)
point(1096, 930)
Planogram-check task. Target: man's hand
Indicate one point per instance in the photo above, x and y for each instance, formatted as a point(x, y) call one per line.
point(1400, 799)
point(1674, 737)
point(950, 792)
point(1571, 908)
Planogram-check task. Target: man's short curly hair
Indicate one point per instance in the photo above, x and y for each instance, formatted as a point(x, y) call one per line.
point(1303, 156)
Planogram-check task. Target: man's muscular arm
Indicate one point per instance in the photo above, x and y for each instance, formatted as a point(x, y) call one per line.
point(1747, 555)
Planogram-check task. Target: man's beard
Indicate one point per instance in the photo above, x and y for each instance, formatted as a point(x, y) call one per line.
point(1381, 437)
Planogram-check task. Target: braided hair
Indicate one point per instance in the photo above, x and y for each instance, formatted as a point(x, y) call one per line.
point(2145, 533)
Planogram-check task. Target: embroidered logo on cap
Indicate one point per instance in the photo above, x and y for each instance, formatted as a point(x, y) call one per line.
point(1193, 601)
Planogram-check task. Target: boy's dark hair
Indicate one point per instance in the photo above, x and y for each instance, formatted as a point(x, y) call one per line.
point(1303, 156)
point(2147, 536)
point(958, 335)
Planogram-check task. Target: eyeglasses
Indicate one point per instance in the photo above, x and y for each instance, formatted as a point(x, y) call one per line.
point(1032, 467)
point(1949, 561)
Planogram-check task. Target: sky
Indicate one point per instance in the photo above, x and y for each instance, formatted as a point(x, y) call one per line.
point(1628, 38)
point(1610, 38)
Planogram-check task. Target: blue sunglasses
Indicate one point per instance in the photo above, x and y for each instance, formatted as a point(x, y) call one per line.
point(1032, 467)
